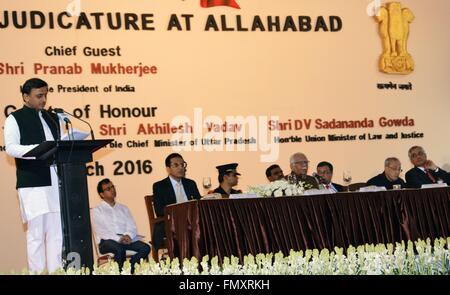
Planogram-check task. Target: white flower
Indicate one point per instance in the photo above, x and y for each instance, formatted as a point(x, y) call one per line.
point(277, 189)
point(278, 193)
point(419, 258)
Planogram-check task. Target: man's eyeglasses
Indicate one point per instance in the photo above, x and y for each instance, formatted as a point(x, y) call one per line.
point(303, 163)
point(176, 165)
point(396, 169)
point(108, 188)
point(419, 153)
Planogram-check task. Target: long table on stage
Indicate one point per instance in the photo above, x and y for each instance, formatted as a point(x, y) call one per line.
point(239, 227)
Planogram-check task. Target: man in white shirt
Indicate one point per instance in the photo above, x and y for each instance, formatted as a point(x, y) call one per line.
point(115, 228)
point(37, 180)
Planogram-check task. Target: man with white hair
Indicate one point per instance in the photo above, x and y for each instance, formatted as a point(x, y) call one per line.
point(424, 171)
point(390, 175)
point(299, 168)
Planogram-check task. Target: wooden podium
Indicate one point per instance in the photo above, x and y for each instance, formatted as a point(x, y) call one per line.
point(71, 158)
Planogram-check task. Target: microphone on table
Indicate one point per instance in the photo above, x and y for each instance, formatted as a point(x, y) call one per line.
point(319, 178)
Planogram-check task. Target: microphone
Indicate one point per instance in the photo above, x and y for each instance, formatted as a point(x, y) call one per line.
point(65, 119)
point(46, 114)
point(319, 178)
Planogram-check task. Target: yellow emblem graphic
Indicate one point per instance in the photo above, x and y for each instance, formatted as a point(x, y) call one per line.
point(394, 30)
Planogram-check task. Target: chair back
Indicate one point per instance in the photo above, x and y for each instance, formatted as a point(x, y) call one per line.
point(152, 219)
point(101, 258)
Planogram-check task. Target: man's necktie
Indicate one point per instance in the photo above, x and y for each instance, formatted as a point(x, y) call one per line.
point(327, 186)
point(178, 193)
point(430, 176)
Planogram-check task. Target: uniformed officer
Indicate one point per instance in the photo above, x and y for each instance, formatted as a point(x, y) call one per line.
point(228, 178)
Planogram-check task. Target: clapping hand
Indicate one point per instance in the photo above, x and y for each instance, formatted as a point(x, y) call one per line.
point(430, 165)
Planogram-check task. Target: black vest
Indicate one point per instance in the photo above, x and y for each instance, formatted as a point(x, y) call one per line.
point(33, 173)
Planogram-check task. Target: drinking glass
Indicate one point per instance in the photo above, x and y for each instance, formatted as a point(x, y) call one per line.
point(347, 177)
point(206, 182)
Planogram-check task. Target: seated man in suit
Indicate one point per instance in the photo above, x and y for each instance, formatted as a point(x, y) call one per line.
point(228, 178)
point(299, 166)
point(325, 174)
point(390, 176)
point(274, 173)
point(173, 189)
point(115, 228)
point(424, 171)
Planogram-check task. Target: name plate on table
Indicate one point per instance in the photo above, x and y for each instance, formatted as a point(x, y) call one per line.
point(434, 185)
point(212, 197)
point(372, 188)
point(314, 191)
point(243, 196)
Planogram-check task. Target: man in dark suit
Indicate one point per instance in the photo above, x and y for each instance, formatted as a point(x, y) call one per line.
point(299, 169)
point(390, 176)
point(173, 189)
point(424, 171)
point(274, 173)
point(325, 175)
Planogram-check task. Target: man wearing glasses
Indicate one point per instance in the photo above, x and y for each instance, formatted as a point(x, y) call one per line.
point(175, 188)
point(424, 171)
point(299, 168)
point(390, 176)
point(115, 228)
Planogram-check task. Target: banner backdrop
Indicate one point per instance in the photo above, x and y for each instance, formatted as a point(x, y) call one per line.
point(240, 81)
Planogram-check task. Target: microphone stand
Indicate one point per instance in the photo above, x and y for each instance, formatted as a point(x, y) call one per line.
point(63, 210)
point(84, 121)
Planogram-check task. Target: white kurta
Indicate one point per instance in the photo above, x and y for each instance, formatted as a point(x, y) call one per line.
point(34, 201)
point(111, 222)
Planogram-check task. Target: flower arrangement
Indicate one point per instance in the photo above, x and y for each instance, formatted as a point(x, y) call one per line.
point(418, 258)
point(279, 188)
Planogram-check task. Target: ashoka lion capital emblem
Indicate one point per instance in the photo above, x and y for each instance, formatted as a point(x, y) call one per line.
point(394, 30)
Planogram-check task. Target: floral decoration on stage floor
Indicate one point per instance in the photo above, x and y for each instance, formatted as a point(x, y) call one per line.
point(418, 258)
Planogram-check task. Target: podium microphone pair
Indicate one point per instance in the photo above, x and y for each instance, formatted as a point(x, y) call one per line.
point(59, 111)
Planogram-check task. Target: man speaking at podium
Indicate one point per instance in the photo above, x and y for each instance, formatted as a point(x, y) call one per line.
point(37, 181)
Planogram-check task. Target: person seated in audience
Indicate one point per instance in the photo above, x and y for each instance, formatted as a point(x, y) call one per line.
point(390, 176)
point(175, 188)
point(299, 168)
point(424, 171)
point(228, 178)
point(325, 175)
point(274, 173)
point(115, 228)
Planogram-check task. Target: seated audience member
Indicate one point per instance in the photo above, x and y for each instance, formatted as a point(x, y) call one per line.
point(274, 173)
point(175, 188)
point(325, 173)
point(228, 178)
point(390, 175)
point(424, 171)
point(115, 228)
point(299, 166)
